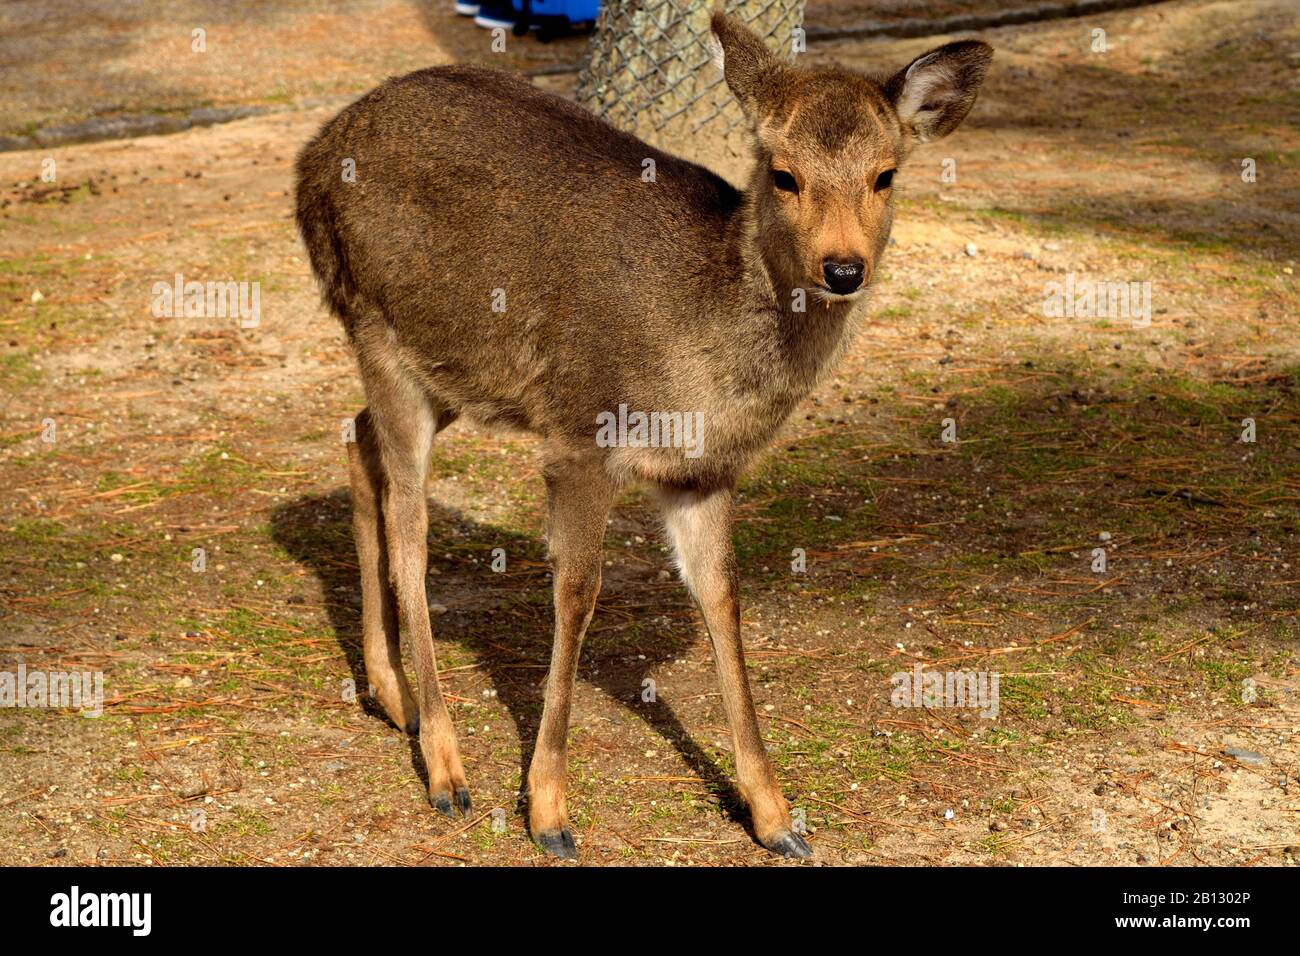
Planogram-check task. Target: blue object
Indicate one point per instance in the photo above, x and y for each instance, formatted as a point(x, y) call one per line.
point(574, 11)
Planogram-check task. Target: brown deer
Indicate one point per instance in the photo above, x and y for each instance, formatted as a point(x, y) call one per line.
point(498, 254)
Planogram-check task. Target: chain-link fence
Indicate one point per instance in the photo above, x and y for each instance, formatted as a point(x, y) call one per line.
point(649, 70)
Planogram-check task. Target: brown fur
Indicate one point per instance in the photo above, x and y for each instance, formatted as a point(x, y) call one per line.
point(678, 295)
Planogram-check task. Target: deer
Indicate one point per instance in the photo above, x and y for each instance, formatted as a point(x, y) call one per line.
point(497, 255)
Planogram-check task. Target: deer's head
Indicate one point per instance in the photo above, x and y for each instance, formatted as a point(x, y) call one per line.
point(828, 145)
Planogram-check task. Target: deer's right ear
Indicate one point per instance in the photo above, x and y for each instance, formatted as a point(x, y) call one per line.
point(751, 70)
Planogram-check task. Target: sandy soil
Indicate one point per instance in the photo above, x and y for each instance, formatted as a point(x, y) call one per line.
point(69, 62)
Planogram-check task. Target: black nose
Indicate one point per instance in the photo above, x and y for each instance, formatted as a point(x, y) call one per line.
point(842, 277)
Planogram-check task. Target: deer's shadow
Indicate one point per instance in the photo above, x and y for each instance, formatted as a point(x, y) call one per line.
point(506, 620)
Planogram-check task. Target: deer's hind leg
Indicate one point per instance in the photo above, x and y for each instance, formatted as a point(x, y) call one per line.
point(404, 419)
point(379, 635)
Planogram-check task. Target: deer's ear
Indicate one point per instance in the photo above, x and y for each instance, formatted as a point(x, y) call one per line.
point(934, 92)
point(752, 72)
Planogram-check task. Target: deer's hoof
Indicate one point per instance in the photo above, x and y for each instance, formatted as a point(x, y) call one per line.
point(790, 845)
point(442, 803)
point(448, 803)
point(559, 844)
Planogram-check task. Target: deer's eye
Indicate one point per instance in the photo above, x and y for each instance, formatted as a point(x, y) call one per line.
point(784, 181)
point(885, 180)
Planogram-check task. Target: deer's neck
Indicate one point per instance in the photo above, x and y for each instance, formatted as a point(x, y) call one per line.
point(788, 335)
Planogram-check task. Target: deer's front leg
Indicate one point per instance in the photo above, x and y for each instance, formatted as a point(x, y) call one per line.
point(580, 496)
point(699, 526)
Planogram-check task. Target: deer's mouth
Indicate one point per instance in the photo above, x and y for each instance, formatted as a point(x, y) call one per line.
point(824, 294)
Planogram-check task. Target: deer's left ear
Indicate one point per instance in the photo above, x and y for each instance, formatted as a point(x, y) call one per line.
point(934, 92)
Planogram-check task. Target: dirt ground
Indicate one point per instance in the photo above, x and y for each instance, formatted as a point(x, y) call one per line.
point(97, 59)
point(1149, 713)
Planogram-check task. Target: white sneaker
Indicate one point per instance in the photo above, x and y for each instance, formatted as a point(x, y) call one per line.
point(495, 15)
point(466, 9)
